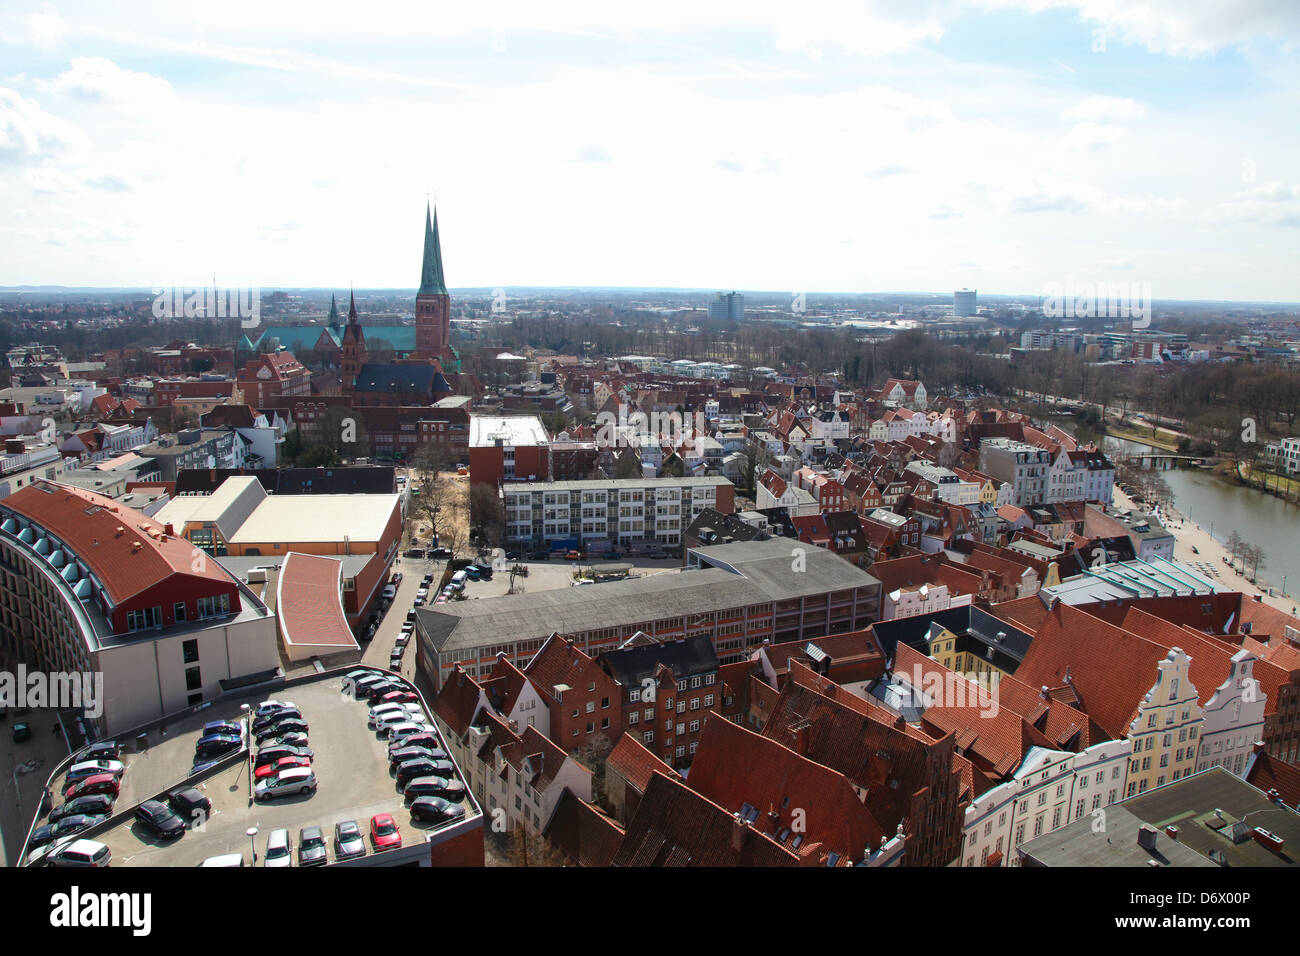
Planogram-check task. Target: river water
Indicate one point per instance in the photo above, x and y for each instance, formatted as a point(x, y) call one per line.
point(1208, 499)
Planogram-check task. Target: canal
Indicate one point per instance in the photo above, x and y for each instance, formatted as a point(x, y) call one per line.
point(1206, 498)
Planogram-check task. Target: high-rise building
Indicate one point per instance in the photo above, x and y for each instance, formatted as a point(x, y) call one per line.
point(728, 305)
point(963, 302)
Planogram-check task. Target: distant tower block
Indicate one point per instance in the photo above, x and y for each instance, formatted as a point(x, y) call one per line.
point(728, 306)
point(963, 302)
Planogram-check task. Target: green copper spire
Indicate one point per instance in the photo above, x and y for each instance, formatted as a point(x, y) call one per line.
point(334, 313)
point(431, 282)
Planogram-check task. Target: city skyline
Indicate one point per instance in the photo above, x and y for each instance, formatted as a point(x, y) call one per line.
point(937, 146)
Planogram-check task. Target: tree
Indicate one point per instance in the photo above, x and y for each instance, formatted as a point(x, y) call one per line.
point(485, 511)
point(593, 755)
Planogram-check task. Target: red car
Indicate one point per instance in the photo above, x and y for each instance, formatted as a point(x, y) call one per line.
point(99, 783)
point(384, 833)
point(275, 766)
point(399, 697)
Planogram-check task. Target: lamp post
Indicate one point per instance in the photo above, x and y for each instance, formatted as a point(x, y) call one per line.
point(252, 842)
point(248, 742)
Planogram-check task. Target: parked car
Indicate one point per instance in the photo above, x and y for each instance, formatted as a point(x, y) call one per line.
point(359, 688)
point(435, 810)
point(223, 728)
point(389, 592)
point(271, 754)
point(408, 770)
point(260, 724)
point(403, 754)
point(298, 780)
point(427, 739)
point(209, 747)
point(440, 553)
point(224, 860)
point(443, 787)
point(413, 553)
point(91, 768)
point(311, 847)
point(73, 823)
point(348, 842)
point(403, 730)
point(402, 697)
point(279, 849)
point(284, 763)
point(80, 853)
point(267, 707)
point(421, 595)
point(384, 833)
point(351, 677)
point(539, 556)
point(426, 580)
point(292, 725)
point(377, 692)
point(397, 712)
point(395, 660)
point(291, 738)
point(190, 804)
point(396, 578)
point(102, 750)
point(98, 804)
point(158, 818)
point(99, 783)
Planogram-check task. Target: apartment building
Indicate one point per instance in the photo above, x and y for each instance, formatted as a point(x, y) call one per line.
point(88, 585)
point(1023, 466)
point(600, 513)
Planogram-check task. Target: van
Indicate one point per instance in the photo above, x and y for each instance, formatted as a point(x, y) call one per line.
point(458, 580)
point(471, 572)
point(226, 859)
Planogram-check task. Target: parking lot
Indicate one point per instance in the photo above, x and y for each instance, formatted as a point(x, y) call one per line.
point(350, 764)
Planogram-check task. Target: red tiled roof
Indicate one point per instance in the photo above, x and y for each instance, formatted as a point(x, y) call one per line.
point(126, 561)
point(734, 767)
point(635, 764)
point(581, 832)
point(675, 826)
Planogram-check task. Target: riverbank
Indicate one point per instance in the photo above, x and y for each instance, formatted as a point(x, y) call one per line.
point(1210, 556)
point(1141, 437)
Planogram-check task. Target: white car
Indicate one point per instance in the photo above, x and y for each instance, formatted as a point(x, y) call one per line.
point(421, 594)
point(89, 768)
point(80, 853)
point(394, 713)
point(386, 722)
point(396, 732)
point(267, 707)
point(289, 781)
point(279, 850)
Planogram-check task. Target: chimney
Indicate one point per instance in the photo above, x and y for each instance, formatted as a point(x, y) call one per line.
point(738, 832)
point(1147, 837)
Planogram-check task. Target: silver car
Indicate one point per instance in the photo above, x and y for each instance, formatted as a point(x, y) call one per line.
point(286, 782)
point(348, 841)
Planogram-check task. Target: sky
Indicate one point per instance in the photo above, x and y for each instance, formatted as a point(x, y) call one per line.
point(917, 145)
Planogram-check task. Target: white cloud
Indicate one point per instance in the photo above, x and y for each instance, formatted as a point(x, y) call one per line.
point(99, 80)
point(1105, 109)
point(27, 132)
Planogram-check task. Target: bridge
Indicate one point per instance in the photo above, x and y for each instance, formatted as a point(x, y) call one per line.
point(1167, 459)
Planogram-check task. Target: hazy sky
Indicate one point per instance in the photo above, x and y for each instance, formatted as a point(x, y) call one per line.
point(901, 146)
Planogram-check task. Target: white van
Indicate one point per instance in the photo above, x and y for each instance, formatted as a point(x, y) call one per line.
point(226, 859)
point(458, 580)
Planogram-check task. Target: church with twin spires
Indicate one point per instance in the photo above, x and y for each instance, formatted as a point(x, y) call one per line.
point(419, 376)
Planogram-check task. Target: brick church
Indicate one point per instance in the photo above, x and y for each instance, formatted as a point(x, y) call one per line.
point(418, 378)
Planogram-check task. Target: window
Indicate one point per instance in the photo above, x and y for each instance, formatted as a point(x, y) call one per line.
point(193, 681)
point(695, 726)
point(648, 736)
point(634, 718)
point(190, 650)
point(178, 611)
point(708, 700)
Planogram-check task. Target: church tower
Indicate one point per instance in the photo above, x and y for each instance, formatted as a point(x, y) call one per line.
point(353, 352)
point(432, 303)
